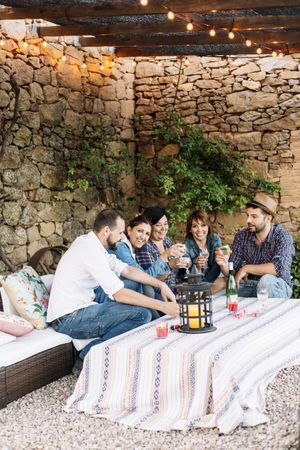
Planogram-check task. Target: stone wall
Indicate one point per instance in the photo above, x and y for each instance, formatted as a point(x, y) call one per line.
point(251, 103)
point(60, 99)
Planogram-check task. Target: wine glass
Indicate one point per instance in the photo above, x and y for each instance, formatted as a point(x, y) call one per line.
point(262, 297)
point(204, 254)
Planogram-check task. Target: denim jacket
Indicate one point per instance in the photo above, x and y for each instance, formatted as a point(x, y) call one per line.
point(125, 253)
point(193, 252)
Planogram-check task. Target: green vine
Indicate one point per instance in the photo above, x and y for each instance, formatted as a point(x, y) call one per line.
point(95, 163)
point(204, 174)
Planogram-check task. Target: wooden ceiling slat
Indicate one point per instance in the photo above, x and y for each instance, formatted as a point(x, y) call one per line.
point(176, 26)
point(197, 38)
point(118, 8)
point(200, 50)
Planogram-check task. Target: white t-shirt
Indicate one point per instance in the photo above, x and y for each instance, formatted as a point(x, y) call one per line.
point(84, 266)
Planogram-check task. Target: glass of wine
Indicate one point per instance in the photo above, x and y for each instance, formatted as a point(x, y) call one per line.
point(204, 254)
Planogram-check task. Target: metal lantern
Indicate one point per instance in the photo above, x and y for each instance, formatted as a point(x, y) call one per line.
point(195, 302)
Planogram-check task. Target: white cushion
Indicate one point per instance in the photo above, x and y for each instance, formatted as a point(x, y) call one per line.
point(7, 306)
point(31, 344)
point(79, 344)
point(5, 338)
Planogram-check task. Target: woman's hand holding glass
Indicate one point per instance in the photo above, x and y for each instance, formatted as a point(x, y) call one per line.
point(201, 262)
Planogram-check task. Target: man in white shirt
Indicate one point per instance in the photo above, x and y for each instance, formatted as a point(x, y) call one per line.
point(73, 307)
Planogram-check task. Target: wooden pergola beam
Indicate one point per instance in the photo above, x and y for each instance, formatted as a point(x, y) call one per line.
point(200, 50)
point(118, 8)
point(193, 38)
point(176, 26)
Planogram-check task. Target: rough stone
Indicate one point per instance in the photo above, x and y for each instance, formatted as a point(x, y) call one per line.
point(76, 101)
point(58, 212)
point(127, 108)
point(169, 150)
point(69, 76)
point(52, 114)
point(11, 213)
point(107, 93)
point(12, 236)
point(4, 99)
point(72, 229)
point(42, 76)
point(47, 228)
point(36, 92)
point(270, 64)
point(33, 234)
point(11, 158)
point(29, 176)
point(30, 119)
point(146, 69)
point(52, 177)
point(51, 94)
point(74, 121)
point(208, 84)
point(246, 100)
point(23, 72)
point(247, 68)
point(29, 215)
point(22, 137)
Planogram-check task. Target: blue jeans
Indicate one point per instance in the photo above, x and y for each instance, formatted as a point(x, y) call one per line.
point(275, 286)
point(104, 320)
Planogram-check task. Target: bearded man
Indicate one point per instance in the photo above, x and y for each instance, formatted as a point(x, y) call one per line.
point(262, 253)
point(88, 299)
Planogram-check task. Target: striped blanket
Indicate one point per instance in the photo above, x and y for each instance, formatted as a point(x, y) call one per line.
point(185, 381)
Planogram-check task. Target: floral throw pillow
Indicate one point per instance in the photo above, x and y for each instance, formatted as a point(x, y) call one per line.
point(14, 325)
point(28, 294)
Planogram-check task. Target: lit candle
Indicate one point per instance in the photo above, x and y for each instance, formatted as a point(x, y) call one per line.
point(162, 330)
point(194, 319)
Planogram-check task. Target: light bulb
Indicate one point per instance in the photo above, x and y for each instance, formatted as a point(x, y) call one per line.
point(44, 44)
point(102, 67)
point(83, 65)
point(144, 2)
point(259, 51)
point(212, 32)
point(159, 63)
point(280, 54)
point(134, 63)
point(25, 44)
point(231, 35)
point(186, 62)
point(112, 63)
point(248, 43)
point(1, 42)
point(190, 26)
point(171, 15)
point(63, 58)
point(274, 54)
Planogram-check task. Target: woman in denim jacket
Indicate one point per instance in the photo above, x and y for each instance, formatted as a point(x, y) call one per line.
point(199, 237)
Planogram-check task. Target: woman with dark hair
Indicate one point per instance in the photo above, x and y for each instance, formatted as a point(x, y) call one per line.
point(201, 243)
point(137, 234)
point(159, 246)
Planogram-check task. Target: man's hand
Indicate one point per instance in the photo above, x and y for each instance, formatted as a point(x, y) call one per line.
point(241, 274)
point(171, 308)
point(166, 293)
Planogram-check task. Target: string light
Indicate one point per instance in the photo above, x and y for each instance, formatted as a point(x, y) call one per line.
point(212, 32)
point(160, 63)
point(134, 63)
point(248, 43)
point(187, 61)
point(102, 67)
point(25, 44)
point(2, 42)
point(231, 35)
point(280, 54)
point(274, 54)
point(63, 58)
point(190, 26)
point(44, 44)
point(112, 63)
point(83, 65)
point(144, 2)
point(171, 15)
point(259, 51)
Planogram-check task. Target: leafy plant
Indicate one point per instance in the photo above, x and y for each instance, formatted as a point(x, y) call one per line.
point(95, 163)
point(295, 271)
point(204, 174)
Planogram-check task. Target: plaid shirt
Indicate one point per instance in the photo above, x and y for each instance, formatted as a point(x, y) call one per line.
point(149, 253)
point(277, 248)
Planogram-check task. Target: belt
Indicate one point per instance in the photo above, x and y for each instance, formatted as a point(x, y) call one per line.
point(61, 319)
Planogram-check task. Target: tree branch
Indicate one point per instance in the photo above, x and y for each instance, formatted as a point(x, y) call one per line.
point(6, 134)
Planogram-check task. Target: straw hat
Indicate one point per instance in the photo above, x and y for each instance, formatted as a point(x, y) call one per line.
point(264, 202)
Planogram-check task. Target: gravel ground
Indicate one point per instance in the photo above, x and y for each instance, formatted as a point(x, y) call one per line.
point(37, 421)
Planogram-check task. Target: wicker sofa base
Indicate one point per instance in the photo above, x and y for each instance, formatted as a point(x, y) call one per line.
point(32, 373)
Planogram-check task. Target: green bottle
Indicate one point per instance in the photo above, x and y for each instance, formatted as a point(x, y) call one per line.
point(231, 289)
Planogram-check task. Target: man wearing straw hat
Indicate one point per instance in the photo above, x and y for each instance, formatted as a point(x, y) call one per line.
point(262, 252)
